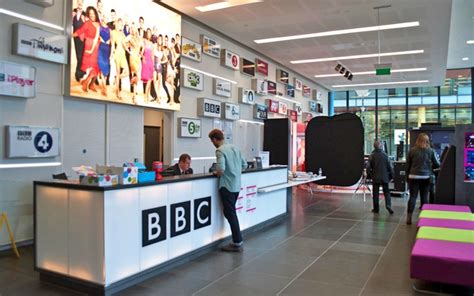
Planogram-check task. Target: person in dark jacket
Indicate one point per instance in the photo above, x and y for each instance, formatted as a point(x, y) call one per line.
point(421, 161)
point(181, 168)
point(381, 171)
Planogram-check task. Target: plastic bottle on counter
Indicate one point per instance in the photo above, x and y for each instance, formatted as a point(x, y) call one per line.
point(320, 172)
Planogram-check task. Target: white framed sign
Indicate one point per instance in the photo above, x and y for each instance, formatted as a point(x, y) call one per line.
point(222, 88)
point(282, 108)
point(298, 108)
point(260, 111)
point(209, 108)
point(317, 95)
point(17, 80)
point(37, 43)
point(193, 79)
point(260, 86)
point(298, 84)
point(230, 59)
point(306, 91)
point(32, 142)
point(189, 127)
point(210, 47)
point(191, 49)
point(231, 111)
point(246, 96)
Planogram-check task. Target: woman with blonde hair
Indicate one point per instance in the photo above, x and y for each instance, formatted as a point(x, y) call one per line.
point(421, 161)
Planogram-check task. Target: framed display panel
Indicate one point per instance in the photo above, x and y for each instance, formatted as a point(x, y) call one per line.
point(271, 87)
point(192, 79)
point(298, 108)
point(261, 67)
point(32, 142)
point(209, 108)
point(260, 86)
point(320, 108)
point(298, 84)
point(293, 115)
point(282, 76)
point(40, 44)
point(290, 90)
point(317, 95)
point(210, 47)
point(222, 88)
point(17, 80)
point(306, 91)
point(260, 111)
point(282, 108)
point(189, 127)
point(313, 106)
point(273, 106)
point(231, 111)
point(248, 67)
point(230, 60)
point(469, 157)
point(127, 73)
point(246, 96)
point(191, 49)
point(307, 116)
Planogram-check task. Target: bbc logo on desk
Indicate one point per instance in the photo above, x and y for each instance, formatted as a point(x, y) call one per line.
point(154, 220)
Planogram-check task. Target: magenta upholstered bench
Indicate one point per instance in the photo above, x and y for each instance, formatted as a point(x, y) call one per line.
point(451, 208)
point(446, 223)
point(443, 261)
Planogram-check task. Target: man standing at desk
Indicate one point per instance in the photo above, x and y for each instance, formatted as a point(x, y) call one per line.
point(183, 167)
point(229, 166)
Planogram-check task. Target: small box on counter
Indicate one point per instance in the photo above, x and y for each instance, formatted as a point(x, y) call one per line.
point(99, 180)
point(144, 177)
point(127, 174)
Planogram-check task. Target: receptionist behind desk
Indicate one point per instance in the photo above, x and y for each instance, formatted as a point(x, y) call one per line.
point(183, 167)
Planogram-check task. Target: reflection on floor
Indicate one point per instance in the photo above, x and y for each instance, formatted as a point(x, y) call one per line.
point(330, 245)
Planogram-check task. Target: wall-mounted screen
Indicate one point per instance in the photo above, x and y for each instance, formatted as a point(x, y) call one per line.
point(125, 53)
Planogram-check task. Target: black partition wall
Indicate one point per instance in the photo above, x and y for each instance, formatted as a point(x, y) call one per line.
point(276, 140)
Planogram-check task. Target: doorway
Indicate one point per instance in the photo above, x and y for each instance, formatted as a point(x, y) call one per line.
point(152, 144)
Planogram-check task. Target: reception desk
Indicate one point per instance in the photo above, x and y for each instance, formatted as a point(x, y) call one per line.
point(104, 239)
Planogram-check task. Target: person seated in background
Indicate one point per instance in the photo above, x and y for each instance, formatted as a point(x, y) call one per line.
point(381, 172)
point(183, 167)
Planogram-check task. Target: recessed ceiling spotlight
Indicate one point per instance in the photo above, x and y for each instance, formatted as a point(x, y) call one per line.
point(465, 59)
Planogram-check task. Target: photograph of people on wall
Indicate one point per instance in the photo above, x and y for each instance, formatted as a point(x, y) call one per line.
point(126, 55)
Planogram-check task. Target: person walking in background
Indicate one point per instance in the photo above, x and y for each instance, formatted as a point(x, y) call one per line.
point(381, 171)
point(104, 54)
point(229, 166)
point(420, 163)
point(90, 32)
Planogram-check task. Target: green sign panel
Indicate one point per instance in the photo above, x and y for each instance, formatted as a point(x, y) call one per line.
point(383, 71)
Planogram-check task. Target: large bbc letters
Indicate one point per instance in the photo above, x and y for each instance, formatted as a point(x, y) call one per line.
point(154, 220)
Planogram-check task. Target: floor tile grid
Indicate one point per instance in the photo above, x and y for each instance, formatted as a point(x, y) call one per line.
point(381, 256)
point(315, 260)
point(278, 244)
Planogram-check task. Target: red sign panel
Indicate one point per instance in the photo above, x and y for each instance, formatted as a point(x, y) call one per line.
point(306, 91)
point(262, 67)
point(293, 115)
point(273, 106)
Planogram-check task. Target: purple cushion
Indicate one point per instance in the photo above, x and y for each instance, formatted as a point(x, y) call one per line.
point(451, 208)
point(446, 223)
point(443, 262)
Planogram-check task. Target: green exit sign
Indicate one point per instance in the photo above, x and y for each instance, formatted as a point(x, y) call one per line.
point(383, 71)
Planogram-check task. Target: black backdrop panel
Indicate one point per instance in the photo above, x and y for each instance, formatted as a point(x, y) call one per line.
point(276, 139)
point(336, 145)
point(445, 191)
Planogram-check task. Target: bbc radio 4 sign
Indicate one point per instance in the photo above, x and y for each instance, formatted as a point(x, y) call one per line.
point(25, 141)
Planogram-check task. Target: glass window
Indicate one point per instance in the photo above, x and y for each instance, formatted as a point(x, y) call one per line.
point(456, 98)
point(392, 118)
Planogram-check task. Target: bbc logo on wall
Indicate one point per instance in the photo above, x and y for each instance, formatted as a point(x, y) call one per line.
point(248, 67)
point(283, 76)
point(262, 67)
point(189, 127)
point(260, 111)
point(222, 88)
point(271, 87)
point(209, 108)
point(154, 220)
point(210, 47)
point(32, 142)
point(260, 86)
point(231, 111)
point(230, 60)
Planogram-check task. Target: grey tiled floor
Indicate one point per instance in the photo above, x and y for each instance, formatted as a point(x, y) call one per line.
point(330, 245)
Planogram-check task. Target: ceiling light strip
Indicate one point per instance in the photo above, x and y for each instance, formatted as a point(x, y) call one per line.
point(373, 72)
point(29, 165)
point(381, 83)
point(339, 32)
point(30, 19)
point(470, 42)
point(362, 56)
point(208, 74)
point(225, 4)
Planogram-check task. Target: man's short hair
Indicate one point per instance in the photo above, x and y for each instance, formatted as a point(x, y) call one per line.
point(183, 157)
point(216, 134)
